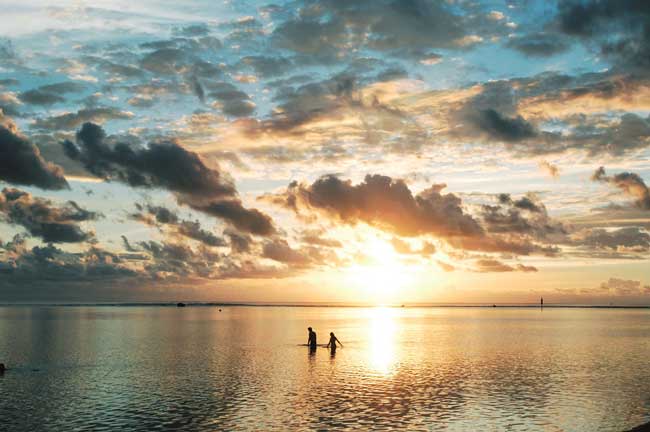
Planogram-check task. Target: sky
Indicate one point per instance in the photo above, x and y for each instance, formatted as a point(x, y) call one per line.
point(383, 152)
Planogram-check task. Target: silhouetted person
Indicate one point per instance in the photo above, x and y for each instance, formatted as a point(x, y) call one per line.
point(311, 341)
point(332, 343)
point(541, 302)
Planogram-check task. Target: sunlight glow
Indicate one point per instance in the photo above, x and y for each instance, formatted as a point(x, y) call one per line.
point(383, 275)
point(381, 353)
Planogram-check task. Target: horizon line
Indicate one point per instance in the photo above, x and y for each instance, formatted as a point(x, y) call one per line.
point(325, 304)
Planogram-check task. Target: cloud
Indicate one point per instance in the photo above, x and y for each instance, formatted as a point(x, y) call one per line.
point(239, 242)
point(389, 205)
point(539, 44)
point(279, 250)
point(620, 27)
point(151, 214)
point(524, 216)
point(631, 184)
point(50, 94)
point(621, 287)
point(623, 240)
point(551, 169)
point(404, 247)
point(322, 31)
point(165, 61)
point(232, 102)
point(164, 164)
point(267, 66)
point(247, 220)
point(43, 219)
point(46, 265)
point(315, 238)
point(74, 120)
point(492, 265)
point(386, 203)
point(169, 166)
point(503, 128)
point(21, 163)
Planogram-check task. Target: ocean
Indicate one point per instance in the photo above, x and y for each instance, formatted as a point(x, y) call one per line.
point(206, 368)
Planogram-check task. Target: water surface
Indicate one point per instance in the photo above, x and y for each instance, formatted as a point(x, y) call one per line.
point(196, 368)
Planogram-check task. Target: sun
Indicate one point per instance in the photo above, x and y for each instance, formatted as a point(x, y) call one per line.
point(382, 275)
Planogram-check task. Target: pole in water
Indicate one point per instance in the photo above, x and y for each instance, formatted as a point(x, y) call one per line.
point(541, 302)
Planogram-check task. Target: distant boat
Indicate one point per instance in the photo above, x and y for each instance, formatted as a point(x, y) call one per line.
point(180, 304)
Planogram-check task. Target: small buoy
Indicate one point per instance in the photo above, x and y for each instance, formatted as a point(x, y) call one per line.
point(219, 310)
point(180, 304)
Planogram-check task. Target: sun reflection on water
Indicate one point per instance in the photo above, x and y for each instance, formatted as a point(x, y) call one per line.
point(381, 350)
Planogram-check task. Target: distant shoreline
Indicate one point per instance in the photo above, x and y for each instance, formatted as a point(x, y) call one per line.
point(327, 305)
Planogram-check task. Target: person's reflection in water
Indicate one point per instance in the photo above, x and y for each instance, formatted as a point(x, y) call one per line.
point(332, 343)
point(311, 341)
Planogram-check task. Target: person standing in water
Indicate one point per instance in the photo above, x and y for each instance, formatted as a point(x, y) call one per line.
point(332, 343)
point(311, 341)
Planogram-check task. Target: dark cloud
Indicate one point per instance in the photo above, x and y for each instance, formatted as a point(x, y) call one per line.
point(197, 88)
point(164, 164)
point(115, 69)
point(239, 242)
point(232, 101)
point(332, 99)
point(162, 214)
point(504, 128)
point(524, 216)
point(74, 120)
point(248, 220)
point(43, 219)
point(567, 101)
point(523, 203)
point(159, 215)
point(631, 184)
point(324, 30)
point(279, 250)
point(37, 97)
point(624, 240)
point(620, 27)
point(48, 264)
point(51, 93)
point(21, 163)
point(267, 66)
point(193, 230)
point(165, 61)
point(167, 165)
point(631, 132)
point(9, 82)
point(173, 260)
point(539, 44)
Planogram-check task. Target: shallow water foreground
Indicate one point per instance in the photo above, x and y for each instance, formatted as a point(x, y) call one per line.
point(195, 368)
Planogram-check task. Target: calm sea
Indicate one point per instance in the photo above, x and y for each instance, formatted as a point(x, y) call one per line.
point(241, 368)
